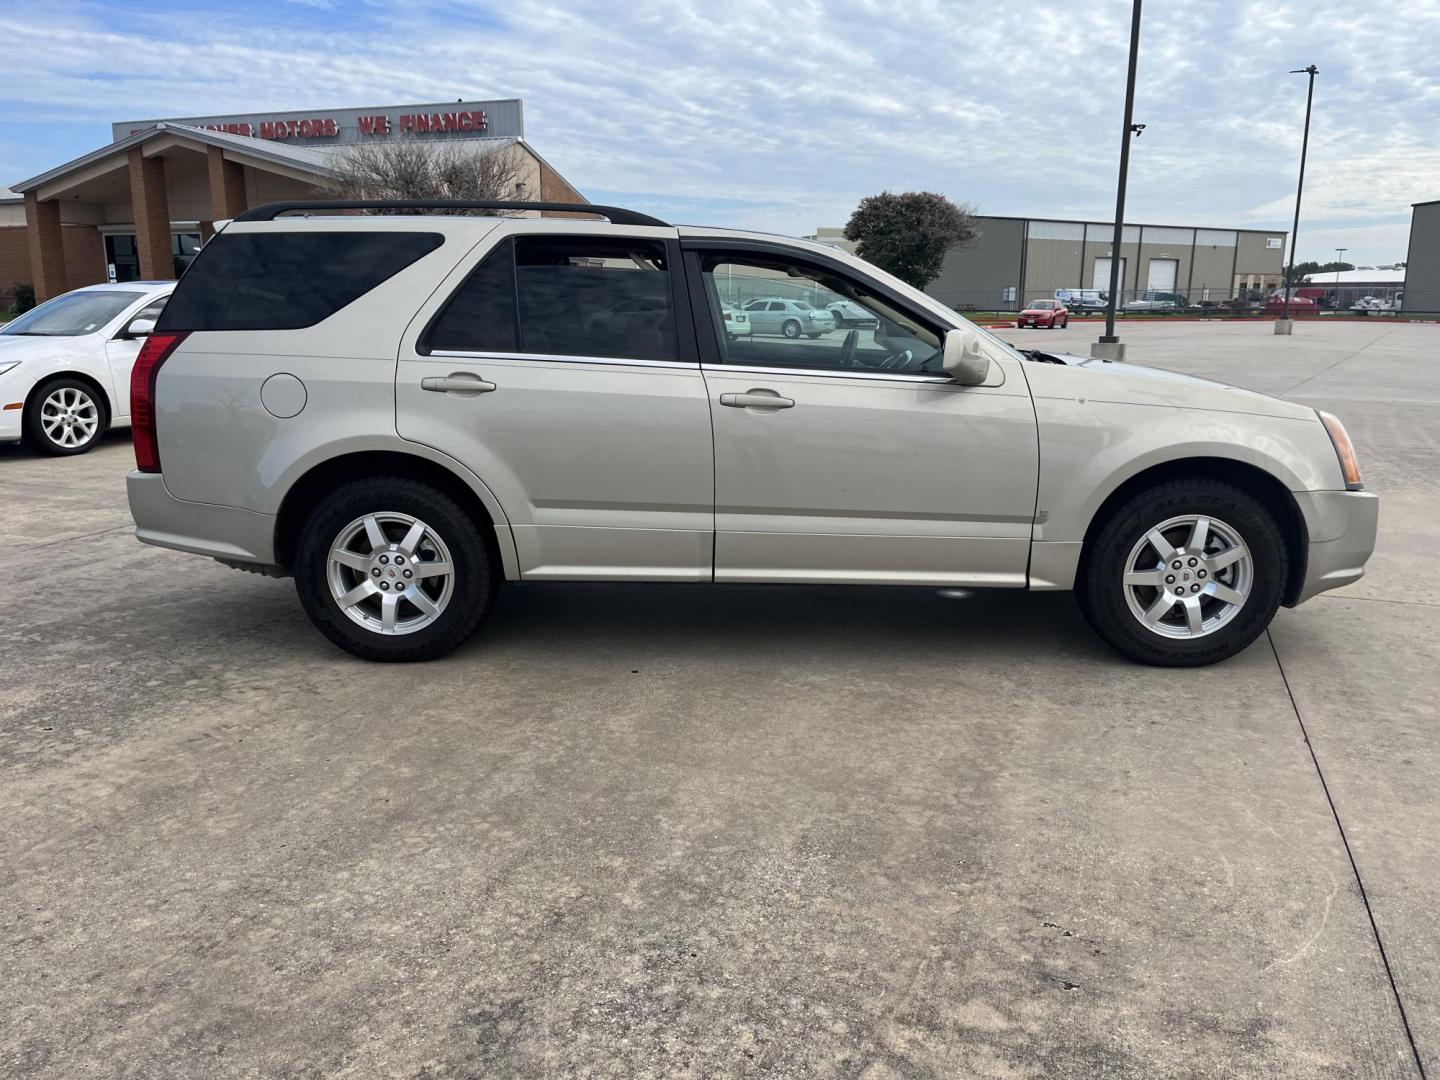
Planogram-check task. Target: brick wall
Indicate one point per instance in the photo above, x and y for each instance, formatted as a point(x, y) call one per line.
point(84, 255)
point(151, 208)
point(14, 261)
point(553, 188)
point(84, 258)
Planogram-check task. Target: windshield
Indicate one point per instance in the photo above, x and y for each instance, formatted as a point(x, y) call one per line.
point(73, 314)
point(803, 306)
point(1041, 305)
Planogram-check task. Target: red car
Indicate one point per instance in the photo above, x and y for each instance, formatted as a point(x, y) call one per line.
point(1299, 305)
point(1046, 313)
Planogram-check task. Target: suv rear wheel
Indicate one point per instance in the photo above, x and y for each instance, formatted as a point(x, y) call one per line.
point(392, 569)
point(1187, 573)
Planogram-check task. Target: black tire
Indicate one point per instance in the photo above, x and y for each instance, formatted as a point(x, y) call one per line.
point(790, 328)
point(1102, 594)
point(36, 436)
point(475, 572)
point(812, 337)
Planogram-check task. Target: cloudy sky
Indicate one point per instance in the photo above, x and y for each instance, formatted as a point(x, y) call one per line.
point(780, 115)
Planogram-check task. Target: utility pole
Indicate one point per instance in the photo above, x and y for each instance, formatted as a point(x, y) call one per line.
point(1284, 324)
point(1109, 347)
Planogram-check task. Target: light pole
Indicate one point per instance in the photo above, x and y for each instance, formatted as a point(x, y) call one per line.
point(1109, 347)
point(1284, 324)
point(1339, 258)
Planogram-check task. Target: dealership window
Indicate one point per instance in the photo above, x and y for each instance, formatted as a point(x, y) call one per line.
point(809, 317)
point(287, 280)
point(183, 249)
point(563, 296)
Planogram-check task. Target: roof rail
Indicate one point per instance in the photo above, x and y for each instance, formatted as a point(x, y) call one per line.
point(617, 215)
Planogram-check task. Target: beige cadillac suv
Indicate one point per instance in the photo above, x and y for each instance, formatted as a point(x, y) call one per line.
point(404, 410)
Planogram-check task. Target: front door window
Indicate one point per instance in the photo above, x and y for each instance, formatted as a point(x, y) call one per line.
point(824, 321)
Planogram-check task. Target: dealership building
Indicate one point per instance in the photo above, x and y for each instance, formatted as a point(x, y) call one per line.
point(140, 206)
point(1016, 259)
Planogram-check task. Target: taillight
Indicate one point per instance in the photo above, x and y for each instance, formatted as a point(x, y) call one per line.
point(727, 316)
point(153, 353)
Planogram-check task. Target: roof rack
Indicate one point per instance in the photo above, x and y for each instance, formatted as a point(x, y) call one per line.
point(617, 215)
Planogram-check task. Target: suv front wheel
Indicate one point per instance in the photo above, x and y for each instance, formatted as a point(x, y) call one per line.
point(392, 569)
point(1187, 573)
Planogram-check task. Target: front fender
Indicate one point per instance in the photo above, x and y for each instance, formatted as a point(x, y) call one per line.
point(1088, 449)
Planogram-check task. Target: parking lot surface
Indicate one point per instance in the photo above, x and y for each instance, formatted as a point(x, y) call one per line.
point(734, 831)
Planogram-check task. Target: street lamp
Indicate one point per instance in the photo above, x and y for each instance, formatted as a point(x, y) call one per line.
point(1284, 324)
point(1339, 258)
point(1109, 347)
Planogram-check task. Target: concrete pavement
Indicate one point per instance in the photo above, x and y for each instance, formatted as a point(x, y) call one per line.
point(742, 831)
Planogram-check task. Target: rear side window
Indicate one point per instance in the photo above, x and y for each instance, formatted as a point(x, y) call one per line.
point(286, 280)
point(565, 296)
point(480, 316)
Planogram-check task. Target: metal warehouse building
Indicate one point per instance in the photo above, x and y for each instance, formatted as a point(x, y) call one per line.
point(1422, 265)
point(1017, 259)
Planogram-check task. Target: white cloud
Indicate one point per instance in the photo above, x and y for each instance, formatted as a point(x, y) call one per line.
point(783, 114)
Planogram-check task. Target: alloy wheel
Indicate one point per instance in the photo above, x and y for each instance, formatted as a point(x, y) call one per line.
point(390, 573)
point(1188, 576)
point(69, 417)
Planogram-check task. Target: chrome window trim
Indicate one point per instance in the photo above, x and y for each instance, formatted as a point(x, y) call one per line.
point(558, 358)
point(832, 373)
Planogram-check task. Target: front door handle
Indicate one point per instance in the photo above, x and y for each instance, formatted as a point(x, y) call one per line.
point(459, 383)
point(757, 399)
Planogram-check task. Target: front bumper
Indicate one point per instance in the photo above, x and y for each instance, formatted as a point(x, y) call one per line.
point(227, 533)
point(1341, 526)
point(15, 387)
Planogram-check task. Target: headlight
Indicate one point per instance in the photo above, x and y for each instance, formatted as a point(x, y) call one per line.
point(1344, 450)
point(6, 367)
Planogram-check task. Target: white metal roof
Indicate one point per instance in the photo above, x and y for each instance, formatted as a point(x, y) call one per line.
point(1358, 277)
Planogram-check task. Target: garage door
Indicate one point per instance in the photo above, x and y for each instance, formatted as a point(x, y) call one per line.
point(1101, 279)
point(1162, 275)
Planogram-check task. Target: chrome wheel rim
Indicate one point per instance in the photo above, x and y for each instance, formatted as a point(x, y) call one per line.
point(69, 417)
point(391, 573)
point(1188, 577)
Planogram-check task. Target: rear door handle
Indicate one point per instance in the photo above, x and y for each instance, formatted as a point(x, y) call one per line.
point(757, 399)
point(459, 383)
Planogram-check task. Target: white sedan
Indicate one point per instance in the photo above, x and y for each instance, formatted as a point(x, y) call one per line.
point(65, 365)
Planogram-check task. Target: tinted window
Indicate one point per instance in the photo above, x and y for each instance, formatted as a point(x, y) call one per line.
point(578, 297)
point(480, 317)
point(286, 280)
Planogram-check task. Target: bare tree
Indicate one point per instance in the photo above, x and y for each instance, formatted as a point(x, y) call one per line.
point(416, 170)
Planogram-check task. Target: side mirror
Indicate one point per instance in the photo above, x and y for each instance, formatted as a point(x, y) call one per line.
point(140, 328)
point(964, 358)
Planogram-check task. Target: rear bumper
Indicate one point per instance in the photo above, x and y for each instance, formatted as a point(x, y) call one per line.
point(227, 533)
point(1341, 526)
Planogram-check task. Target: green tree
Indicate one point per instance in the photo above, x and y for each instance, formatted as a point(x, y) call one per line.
point(908, 234)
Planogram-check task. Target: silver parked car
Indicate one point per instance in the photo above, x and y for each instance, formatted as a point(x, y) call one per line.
point(428, 416)
point(788, 318)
